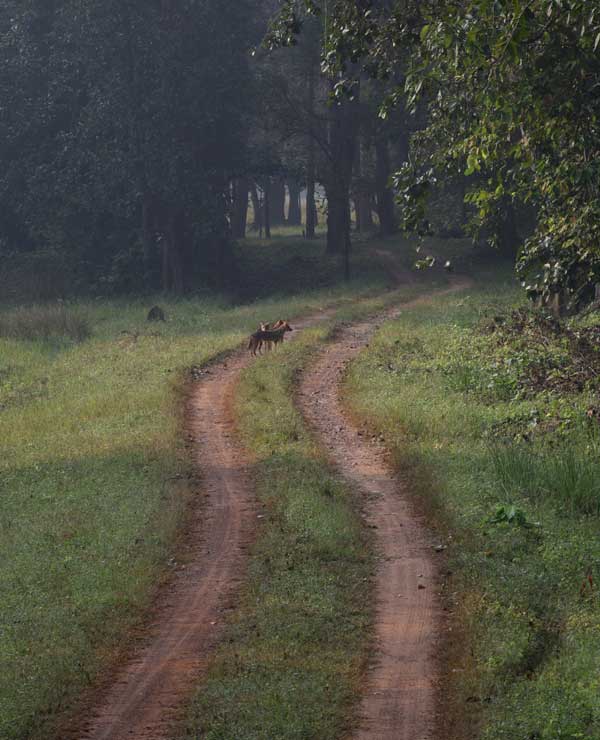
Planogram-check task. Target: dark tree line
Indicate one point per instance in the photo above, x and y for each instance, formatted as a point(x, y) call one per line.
point(140, 138)
point(123, 123)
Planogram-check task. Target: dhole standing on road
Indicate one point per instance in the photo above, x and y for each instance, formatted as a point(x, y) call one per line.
point(268, 337)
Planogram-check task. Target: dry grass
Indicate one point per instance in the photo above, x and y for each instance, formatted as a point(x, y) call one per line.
point(55, 321)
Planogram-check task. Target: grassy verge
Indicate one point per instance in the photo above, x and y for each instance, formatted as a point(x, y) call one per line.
point(93, 484)
point(510, 467)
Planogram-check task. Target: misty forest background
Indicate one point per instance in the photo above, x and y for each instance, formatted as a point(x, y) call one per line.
point(140, 140)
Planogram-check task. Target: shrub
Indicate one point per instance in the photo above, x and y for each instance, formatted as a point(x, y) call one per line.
point(44, 322)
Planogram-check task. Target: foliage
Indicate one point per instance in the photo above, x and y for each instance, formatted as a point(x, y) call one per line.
point(123, 121)
point(511, 94)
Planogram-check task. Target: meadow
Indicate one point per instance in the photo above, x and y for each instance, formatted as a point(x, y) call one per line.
point(490, 414)
point(95, 479)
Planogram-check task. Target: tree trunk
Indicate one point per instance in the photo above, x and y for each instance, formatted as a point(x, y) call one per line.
point(149, 230)
point(267, 209)
point(385, 197)
point(338, 221)
point(239, 216)
point(174, 256)
point(294, 212)
point(277, 201)
point(508, 235)
point(311, 208)
point(137, 139)
point(362, 196)
point(342, 141)
point(257, 224)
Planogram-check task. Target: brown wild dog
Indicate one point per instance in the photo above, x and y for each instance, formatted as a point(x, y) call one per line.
point(271, 336)
point(277, 325)
point(255, 343)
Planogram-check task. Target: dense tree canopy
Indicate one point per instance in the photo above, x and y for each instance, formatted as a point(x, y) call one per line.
point(122, 124)
point(134, 134)
point(511, 91)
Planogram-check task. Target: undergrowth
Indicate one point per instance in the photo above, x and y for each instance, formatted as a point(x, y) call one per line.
point(508, 463)
point(44, 322)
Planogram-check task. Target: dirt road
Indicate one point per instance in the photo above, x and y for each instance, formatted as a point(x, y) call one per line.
point(147, 695)
point(144, 700)
point(400, 696)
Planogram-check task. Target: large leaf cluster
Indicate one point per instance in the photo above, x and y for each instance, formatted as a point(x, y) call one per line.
point(512, 90)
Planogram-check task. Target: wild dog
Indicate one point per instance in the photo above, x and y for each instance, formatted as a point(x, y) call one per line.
point(281, 324)
point(272, 336)
point(277, 325)
point(255, 343)
point(268, 343)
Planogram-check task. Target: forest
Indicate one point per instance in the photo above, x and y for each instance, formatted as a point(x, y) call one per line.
point(382, 521)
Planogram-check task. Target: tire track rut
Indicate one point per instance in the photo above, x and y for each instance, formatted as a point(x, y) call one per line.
point(143, 701)
point(400, 697)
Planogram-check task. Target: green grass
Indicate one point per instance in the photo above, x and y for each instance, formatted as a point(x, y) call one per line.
point(93, 484)
point(44, 322)
point(519, 515)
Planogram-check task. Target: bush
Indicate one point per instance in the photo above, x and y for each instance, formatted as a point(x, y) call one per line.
point(44, 322)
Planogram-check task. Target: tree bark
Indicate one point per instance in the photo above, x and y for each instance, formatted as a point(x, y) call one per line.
point(267, 209)
point(277, 201)
point(362, 197)
point(239, 216)
point(385, 197)
point(257, 224)
point(311, 207)
point(137, 139)
point(342, 140)
point(294, 212)
point(175, 262)
point(508, 235)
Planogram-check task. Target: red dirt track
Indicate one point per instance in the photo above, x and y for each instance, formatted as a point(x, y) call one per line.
point(147, 694)
point(400, 698)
